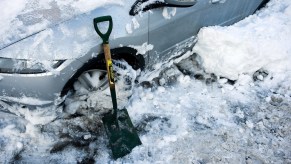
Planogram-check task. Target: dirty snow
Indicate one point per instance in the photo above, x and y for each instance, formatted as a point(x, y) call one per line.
point(184, 115)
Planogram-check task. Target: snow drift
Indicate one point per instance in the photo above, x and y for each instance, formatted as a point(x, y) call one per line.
point(251, 44)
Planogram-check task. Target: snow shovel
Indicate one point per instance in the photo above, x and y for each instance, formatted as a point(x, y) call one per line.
point(118, 126)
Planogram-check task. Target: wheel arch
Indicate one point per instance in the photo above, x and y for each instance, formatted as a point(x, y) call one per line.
point(129, 54)
point(262, 5)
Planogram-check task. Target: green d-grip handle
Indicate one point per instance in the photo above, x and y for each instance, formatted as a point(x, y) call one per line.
point(105, 37)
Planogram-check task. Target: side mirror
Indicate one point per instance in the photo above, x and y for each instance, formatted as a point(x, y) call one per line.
point(181, 3)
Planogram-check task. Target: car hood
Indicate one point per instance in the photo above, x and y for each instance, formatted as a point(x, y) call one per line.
point(30, 17)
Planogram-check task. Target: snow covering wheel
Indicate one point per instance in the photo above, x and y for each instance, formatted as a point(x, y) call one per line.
point(95, 79)
point(91, 95)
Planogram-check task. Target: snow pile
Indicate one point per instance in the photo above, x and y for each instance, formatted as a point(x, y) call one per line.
point(259, 41)
point(190, 122)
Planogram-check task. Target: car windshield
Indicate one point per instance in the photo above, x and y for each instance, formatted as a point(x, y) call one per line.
point(22, 18)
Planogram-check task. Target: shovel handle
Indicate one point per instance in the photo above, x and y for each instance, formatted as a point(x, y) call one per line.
point(104, 36)
point(109, 68)
point(108, 60)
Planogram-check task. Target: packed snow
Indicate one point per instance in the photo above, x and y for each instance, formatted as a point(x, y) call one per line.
point(249, 45)
point(226, 101)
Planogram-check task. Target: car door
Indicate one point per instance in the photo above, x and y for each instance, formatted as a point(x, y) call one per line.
point(171, 28)
point(170, 25)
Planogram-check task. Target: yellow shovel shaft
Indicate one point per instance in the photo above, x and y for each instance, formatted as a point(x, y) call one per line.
point(109, 66)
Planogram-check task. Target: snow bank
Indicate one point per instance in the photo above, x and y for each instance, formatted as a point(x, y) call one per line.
point(256, 42)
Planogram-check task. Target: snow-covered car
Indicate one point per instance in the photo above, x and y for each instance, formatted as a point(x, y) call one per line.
point(48, 46)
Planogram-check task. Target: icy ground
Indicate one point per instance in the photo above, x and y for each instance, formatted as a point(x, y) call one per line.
point(239, 111)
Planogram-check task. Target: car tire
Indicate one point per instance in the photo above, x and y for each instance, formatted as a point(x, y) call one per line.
point(90, 92)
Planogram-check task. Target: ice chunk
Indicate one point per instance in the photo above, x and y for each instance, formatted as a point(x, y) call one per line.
point(135, 23)
point(128, 28)
point(222, 80)
point(250, 124)
point(168, 15)
point(143, 49)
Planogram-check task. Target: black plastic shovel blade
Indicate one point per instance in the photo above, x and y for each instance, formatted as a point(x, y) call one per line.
point(121, 132)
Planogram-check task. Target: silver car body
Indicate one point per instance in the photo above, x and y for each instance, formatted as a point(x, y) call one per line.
point(70, 44)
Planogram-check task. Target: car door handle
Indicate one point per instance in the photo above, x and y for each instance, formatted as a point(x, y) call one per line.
point(217, 1)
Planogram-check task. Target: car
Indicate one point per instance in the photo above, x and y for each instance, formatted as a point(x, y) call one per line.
point(46, 51)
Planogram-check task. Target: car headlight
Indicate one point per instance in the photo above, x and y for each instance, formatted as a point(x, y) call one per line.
point(21, 66)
